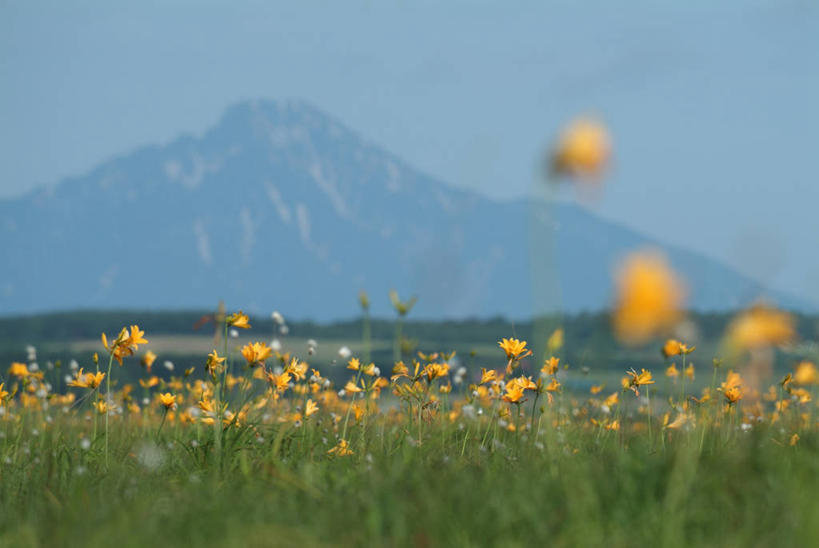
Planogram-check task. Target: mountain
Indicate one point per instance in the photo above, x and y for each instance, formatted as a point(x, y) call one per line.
point(280, 206)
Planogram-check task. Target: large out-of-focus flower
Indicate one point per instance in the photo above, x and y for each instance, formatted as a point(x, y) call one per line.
point(582, 151)
point(806, 374)
point(18, 369)
point(760, 326)
point(649, 297)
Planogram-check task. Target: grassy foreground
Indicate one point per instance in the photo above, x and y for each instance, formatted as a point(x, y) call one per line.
point(572, 488)
point(259, 449)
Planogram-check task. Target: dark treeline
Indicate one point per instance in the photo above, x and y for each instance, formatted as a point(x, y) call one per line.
point(583, 328)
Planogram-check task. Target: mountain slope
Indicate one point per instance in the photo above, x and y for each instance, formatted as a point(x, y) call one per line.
point(279, 206)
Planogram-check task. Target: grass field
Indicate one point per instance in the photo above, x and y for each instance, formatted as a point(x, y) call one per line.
point(255, 447)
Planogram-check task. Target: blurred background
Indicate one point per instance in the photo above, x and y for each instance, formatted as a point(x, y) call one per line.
point(168, 155)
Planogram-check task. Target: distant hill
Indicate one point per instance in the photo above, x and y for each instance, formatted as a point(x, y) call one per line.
point(280, 206)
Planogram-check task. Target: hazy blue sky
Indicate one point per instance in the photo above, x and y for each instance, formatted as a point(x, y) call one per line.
point(714, 110)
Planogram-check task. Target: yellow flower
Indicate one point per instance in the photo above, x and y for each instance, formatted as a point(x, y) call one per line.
point(18, 369)
point(310, 407)
point(806, 374)
point(550, 366)
point(672, 371)
point(488, 375)
point(168, 400)
point(279, 382)
point(582, 150)
point(555, 341)
point(354, 364)
point(148, 360)
point(671, 348)
point(214, 363)
point(3, 393)
point(341, 449)
point(137, 337)
point(150, 382)
point(637, 380)
point(239, 319)
point(553, 386)
point(612, 400)
point(297, 369)
point(256, 353)
point(514, 393)
point(794, 440)
point(681, 420)
point(732, 387)
point(648, 300)
point(87, 380)
point(759, 326)
point(126, 344)
point(351, 388)
point(514, 348)
point(433, 371)
point(596, 389)
point(689, 371)
point(101, 407)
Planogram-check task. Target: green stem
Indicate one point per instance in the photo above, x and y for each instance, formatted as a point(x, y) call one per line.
point(108, 399)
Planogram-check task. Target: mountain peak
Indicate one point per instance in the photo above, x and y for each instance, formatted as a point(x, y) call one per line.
point(279, 205)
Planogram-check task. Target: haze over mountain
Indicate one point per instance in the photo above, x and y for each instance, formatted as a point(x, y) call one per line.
point(279, 206)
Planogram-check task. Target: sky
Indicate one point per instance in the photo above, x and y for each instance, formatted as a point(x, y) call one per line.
point(712, 107)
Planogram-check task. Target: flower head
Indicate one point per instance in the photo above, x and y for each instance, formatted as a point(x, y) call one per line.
point(515, 349)
point(342, 449)
point(582, 151)
point(167, 400)
point(87, 380)
point(239, 319)
point(256, 353)
point(649, 297)
point(760, 326)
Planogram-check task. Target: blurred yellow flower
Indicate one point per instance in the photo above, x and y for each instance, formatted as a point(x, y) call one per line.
point(555, 341)
point(732, 387)
point(87, 380)
point(649, 297)
point(148, 360)
point(214, 363)
point(672, 371)
point(759, 326)
point(550, 366)
point(806, 374)
point(18, 369)
point(582, 151)
point(352, 388)
point(310, 407)
point(342, 449)
point(671, 348)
